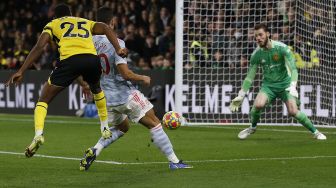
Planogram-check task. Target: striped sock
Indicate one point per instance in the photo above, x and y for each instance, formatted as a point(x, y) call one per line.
point(161, 140)
point(103, 143)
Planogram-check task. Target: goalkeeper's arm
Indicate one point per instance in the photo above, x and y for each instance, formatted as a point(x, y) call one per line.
point(249, 78)
point(236, 102)
point(290, 62)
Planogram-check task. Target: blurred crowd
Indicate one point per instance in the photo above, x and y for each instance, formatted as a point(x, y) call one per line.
point(146, 26)
point(217, 33)
point(217, 38)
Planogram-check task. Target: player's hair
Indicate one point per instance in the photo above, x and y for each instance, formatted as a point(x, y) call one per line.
point(62, 10)
point(261, 26)
point(104, 14)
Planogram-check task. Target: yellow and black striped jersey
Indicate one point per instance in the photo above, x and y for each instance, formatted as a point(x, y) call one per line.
point(73, 35)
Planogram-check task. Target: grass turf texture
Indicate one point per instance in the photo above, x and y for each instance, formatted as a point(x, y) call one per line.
point(273, 157)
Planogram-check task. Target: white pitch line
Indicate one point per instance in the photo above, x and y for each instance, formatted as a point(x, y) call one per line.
point(264, 159)
point(259, 129)
point(56, 157)
point(192, 126)
point(192, 161)
point(50, 121)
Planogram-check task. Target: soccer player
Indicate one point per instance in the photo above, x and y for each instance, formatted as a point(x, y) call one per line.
point(276, 59)
point(124, 101)
point(78, 57)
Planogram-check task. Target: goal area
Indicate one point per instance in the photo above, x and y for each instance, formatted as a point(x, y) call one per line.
point(214, 41)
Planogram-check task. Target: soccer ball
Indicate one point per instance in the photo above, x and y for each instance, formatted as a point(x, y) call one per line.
point(172, 120)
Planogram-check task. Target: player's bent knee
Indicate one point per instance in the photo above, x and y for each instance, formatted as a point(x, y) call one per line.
point(123, 129)
point(123, 126)
point(259, 106)
point(292, 112)
point(292, 108)
point(149, 122)
point(151, 114)
point(95, 88)
point(49, 92)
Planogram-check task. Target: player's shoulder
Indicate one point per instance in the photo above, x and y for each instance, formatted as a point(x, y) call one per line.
point(256, 51)
point(71, 19)
point(101, 42)
point(51, 22)
point(99, 38)
point(104, 39)
point(82, 19)
point(60, 20)
point(278, 44)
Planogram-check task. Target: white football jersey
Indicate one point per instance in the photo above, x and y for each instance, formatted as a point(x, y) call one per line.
point(115, 87)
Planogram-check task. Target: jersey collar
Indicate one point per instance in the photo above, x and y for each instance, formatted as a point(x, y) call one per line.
point(272, 46)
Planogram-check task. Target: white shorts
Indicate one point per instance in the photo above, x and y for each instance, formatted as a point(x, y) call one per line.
point(135, 108)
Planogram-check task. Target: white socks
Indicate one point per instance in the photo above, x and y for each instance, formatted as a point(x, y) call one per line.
point(103, 143)
point(103, 124)
point(161, 140)
point(38, 133)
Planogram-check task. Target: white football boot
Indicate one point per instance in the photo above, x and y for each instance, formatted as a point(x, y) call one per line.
point(319, 136)
point(246, 132)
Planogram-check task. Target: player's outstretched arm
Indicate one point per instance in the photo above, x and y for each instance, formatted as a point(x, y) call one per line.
point(33, 55)
point(100, 28)
point(128, 74)
point(237, 101)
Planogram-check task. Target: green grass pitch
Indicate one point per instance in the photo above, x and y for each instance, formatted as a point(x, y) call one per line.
point(274, 157)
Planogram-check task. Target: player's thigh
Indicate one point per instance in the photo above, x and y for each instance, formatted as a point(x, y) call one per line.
point(286, 96)
point(150, 120)
point(49, 92)
point(123, 126)
point(91, 70)
point(115, 116)
point(139, 107)
point(264, 97)
point(64, 73)
point(291, 107)
point(290, 101)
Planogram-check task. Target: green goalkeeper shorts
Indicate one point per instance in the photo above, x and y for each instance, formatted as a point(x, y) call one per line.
point(273, 93)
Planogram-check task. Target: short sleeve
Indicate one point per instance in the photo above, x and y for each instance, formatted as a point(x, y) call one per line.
point(118, 59)
point(91, 24)
point(48, 29)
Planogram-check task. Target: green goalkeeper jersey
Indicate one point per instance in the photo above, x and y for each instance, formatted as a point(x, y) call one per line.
point(278, 66)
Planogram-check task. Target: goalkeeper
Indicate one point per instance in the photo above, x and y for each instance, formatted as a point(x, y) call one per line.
point(279, 81)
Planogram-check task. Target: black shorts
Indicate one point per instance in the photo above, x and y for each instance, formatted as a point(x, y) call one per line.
point(67, 70)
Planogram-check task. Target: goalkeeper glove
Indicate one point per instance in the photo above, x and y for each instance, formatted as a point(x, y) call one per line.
point(236, 102)
point(106, 133)
point(292, 90)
